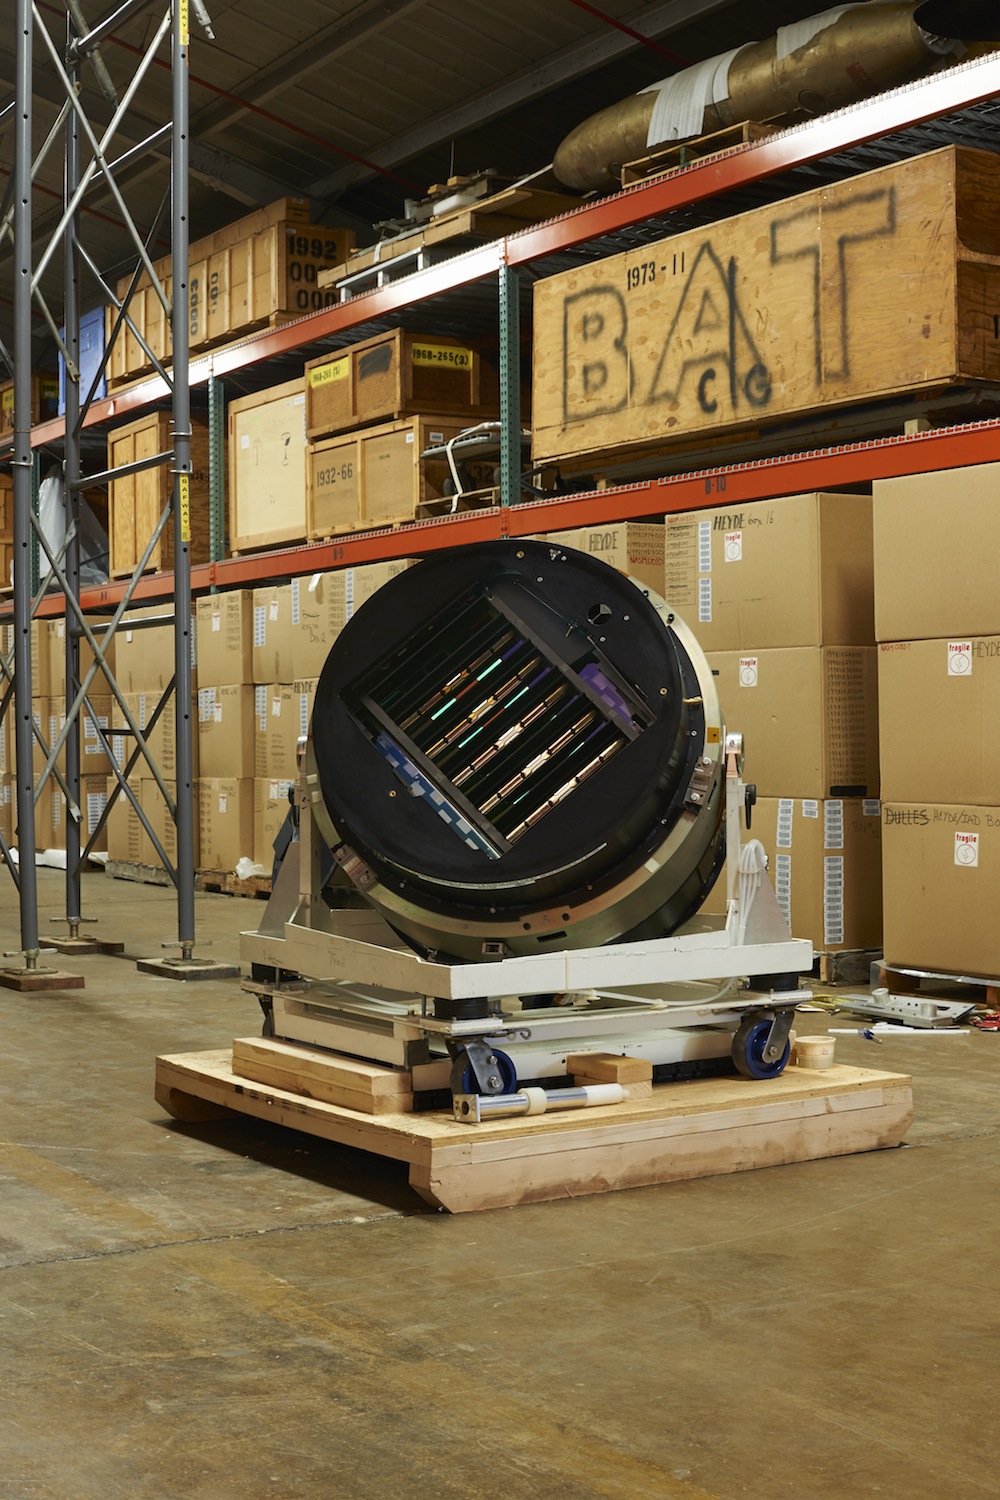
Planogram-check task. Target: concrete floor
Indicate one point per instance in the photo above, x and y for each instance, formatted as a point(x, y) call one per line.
point(233, 1311)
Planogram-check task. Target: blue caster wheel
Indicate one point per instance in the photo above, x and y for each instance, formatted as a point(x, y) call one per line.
point(748, 1050)
point(505, 1070)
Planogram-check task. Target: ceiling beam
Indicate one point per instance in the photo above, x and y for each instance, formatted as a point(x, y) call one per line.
point(562, 67)
point(328, 44)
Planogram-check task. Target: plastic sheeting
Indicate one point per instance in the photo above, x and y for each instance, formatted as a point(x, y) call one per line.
point(94, 549)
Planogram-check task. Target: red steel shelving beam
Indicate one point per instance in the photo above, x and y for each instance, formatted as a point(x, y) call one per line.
point(927, 99)
point(764, 479)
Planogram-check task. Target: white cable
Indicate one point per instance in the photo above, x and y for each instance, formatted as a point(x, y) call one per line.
point(753, 869)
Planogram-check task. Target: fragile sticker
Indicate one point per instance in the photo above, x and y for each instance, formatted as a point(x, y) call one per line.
point(959, 658)
point(272, 609)
point(223, 802)
point(276, 706)
point(967, 849)
point(216, 621)
point(732, 549)
point(748, 671)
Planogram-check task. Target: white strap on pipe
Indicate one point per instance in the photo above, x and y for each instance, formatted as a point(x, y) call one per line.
point(681, 101)
point(801, 33)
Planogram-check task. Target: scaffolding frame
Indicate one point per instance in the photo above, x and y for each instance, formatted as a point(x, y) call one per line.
point(59, 745)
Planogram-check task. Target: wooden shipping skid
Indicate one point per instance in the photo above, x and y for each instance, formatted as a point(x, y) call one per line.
point(884, 285)
point(683, 1130)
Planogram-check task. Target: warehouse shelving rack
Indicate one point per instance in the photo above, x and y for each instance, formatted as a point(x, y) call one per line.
point(506, 263)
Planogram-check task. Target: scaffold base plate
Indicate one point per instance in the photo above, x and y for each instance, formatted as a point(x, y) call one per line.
point(84, 946)
point(28, 980)
point(187, 968)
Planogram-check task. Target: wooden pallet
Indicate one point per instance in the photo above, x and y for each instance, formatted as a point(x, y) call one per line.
point(503, 213)
point(225, 883)
point(683, 1130)
point(670, 156)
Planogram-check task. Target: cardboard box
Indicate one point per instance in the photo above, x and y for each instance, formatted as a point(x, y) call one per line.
point(273, 634)
point(939, 734)
point(808, 716)
point(224, 627)
point(55, 643)
point(93, 800)
point(270, 809)
point(376, 477)
point(267, 467)
point(731, 325)
point(396, 374)
point(226, 822)
point(323, 604)
point(145, 657)
point(633, 547)
point(163, 825)
point(281, 716)
point(226, 728)
point(825, 863)
point(6, 809)
point(93, 760)
point(790, 572)
point(319, 614)
point(941, 877)
point(937, 537)
point(127, 841)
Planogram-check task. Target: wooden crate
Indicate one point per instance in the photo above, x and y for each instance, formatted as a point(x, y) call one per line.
point(245, 276)
point(44, 400)
point(136, 502)
point(677, 1132)
point(883, 285)
point(266, 473)
point(395, 375)
point(375, 477)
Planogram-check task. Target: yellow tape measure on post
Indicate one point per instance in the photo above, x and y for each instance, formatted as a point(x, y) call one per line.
point(182, 20)
point(184, 502)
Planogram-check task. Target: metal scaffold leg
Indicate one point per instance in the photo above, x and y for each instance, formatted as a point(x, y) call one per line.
point(186, 966)
point(33, 976)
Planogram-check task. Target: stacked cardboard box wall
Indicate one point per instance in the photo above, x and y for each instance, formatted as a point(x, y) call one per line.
point(937, 616)
point(258, 655)
point(779, 595)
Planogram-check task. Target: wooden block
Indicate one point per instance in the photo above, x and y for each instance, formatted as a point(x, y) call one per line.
point(328, 1076)
point(868, 289)
point(608, 1067)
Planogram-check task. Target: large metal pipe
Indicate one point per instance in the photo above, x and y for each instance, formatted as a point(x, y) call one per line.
point(812, 66)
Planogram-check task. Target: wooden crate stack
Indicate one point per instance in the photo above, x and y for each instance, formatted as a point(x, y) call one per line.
point(258, 272)
point(371, 410)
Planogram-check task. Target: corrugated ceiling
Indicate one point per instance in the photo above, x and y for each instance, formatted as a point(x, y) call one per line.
point(356, 105)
